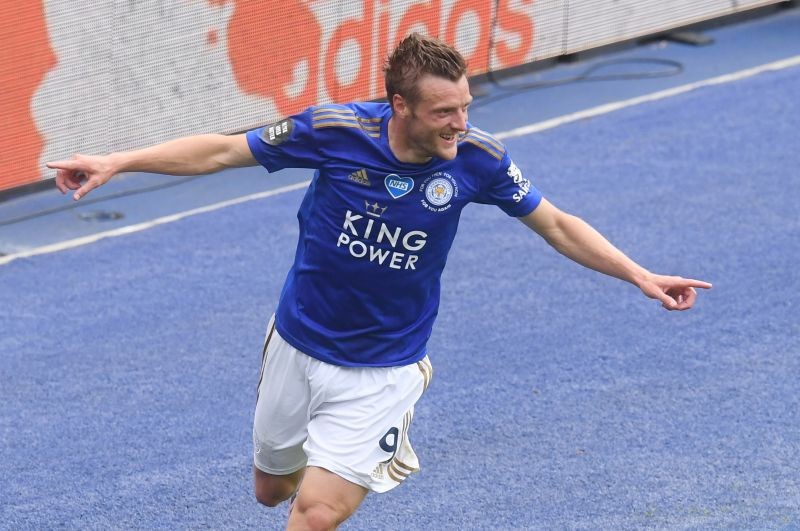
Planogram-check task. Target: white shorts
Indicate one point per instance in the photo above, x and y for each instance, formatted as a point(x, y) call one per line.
point(352, 421)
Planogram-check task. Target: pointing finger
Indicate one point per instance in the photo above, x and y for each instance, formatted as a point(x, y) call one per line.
point(63, 165)
point(697, 283)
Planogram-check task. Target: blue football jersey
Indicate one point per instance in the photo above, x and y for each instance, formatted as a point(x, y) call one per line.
point(374, 231)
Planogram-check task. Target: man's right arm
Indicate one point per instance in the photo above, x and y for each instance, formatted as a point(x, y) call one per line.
point(191, 155)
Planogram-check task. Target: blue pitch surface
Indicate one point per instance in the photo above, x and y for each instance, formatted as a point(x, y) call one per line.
point(562, 399)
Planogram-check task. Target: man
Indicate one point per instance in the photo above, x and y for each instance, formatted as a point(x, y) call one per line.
point(345, 358)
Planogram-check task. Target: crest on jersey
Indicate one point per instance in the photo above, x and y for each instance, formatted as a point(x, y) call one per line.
point(439, 189)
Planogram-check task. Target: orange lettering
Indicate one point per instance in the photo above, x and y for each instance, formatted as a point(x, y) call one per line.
point(26, 58)
point(520, 24)
point(478, 59)
point(428, 15)
point(360, 32)
point(382, 10)
point(274, 49)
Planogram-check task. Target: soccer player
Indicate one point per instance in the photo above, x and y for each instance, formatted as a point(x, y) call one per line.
point(345, 359)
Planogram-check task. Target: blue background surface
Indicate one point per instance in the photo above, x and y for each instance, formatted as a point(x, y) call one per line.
point(562, 399)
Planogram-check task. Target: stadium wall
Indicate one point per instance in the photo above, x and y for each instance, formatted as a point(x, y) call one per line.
point(99, 76)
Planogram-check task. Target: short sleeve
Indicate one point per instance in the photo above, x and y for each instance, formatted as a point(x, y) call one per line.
point(510, 190)
point(288, 143)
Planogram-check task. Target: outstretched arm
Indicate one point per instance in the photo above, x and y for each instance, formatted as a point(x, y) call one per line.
point(191, 155)
point(577, 240)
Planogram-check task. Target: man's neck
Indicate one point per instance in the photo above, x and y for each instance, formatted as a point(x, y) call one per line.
point(399, 145)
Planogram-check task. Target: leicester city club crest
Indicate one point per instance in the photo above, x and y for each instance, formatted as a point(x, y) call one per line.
point(439, 189)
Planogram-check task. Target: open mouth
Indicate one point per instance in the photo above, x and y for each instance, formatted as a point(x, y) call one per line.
point(449, 138)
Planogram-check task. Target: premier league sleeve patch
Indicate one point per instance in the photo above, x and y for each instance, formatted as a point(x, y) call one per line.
point(277, 133)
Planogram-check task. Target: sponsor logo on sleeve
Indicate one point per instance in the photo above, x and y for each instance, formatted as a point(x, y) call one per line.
point(439, 189)
point(398, 186)
point(277, 133)
point(524, 184)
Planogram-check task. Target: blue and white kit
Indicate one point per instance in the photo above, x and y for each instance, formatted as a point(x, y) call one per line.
point(374, 231)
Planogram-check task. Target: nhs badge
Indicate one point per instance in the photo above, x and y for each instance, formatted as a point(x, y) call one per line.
point(398, 186)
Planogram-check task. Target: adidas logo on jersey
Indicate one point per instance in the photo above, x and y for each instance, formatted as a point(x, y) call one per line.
point(360, 177)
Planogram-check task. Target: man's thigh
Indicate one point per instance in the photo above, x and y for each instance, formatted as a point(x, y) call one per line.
point(353, 422)
point(280, 425)
point(359, 429)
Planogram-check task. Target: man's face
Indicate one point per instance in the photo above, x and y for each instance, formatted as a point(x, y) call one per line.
point(434, 122)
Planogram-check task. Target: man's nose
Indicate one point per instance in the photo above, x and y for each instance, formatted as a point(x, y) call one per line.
point(459, 122)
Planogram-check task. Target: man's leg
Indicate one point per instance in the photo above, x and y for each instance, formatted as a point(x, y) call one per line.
point(270, 490)
point(280, 421)
point(325, 501)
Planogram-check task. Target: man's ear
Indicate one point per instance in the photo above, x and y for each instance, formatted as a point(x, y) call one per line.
point(400, 106)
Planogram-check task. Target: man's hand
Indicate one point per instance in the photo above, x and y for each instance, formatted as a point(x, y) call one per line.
point(675, 293)
point(577, 240)
point(82, 173)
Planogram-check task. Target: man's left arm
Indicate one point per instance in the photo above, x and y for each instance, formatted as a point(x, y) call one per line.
point(577, 240)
